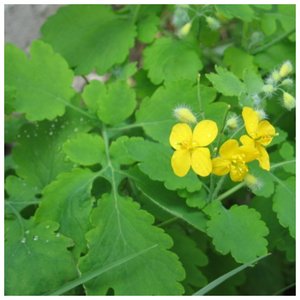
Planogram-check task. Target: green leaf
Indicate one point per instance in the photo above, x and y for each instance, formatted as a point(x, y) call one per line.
point(264, 185)
point(168, 201)
point(9, 99)
point(44, 76)
point(238, 61)
point(147, 28)
point(226, 82)
point(243, 12)
point(287, 151)
point(104, 99)
point(155, 161)
point(85, 149)
point(169, 59)
point(287, 16)
point(36, 261)
point(268, 24)
point(68, 201)
point(185, 247)
point(253, 82)
point(90, 36)
point(156, 114)
point(121, 229)
point(284, 204)
point(38, 155)
point(20, 193)
point(239, 231)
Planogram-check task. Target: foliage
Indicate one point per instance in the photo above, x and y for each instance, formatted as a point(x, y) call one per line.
point(96, 200)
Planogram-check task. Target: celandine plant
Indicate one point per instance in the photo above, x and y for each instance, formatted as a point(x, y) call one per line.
point(126, 173)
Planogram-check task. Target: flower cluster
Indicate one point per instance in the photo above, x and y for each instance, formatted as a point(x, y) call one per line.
point(191, 146)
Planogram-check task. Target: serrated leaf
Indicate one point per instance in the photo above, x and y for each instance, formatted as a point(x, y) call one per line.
point(44, 76)
point(168, 201)
point(38, 261)
point(243, 12)
point(226, 82)
point(121, 229)
point(85, 149)
point(20, 193)
point(239, 231)
point(156, 114)
point(169, 59)
point(68, 201)
point(155, 161)
point(253, 82)
point(238, 61)
point(104, 99)
point(284, 204)
point(147, 28)
point(185, 247)
point(90, 36)
point(38, 155)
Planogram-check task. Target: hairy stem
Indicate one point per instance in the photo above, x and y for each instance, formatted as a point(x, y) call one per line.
point(231, 191)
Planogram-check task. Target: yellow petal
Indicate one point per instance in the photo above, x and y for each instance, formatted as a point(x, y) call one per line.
point(251, 121)
point(238, 173)
point(250, 152)
point(205, 132)
point(229, 148)
point(181, 136)
point(220, 166)
point(181, 162)
point(265, 132)
point(201, 162)
point(264, 160)
point(247, 140)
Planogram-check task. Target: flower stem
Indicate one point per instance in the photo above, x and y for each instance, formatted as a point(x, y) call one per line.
point(231, 191)
point(199, 97)
point(218, 187)
point(282, 163)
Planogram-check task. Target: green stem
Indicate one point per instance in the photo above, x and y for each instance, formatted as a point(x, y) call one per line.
point(167, 222)
point(81, 111)
point(273, 42)
point(236, 132)
point(282, 164)
point(218, 187)
point(211, 187)
point(223, 127)
point(135, 13)
point(199, 98)
point(231, 191)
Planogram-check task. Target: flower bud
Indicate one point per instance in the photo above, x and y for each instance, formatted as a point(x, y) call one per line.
point(252, 182)
point(288, 101)
point(287, 82)
point(184, 115)
point(285, 69)
point(275, 76)
point(212, 23)
point(268, 89)
point(184, 30)
point(232, 122)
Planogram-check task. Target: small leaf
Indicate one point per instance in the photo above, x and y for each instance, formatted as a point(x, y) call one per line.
point(104, 99)
point(226, 82)
point(169, 59)
point(243, 12)
point(147, 28)
point(239, 231)
point(85, 149)
point(284, 204)
point(121, 228)
point(287, 151)
point(44, 76)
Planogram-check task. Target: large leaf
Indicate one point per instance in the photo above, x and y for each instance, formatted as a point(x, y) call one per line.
point(239, 231)
point(36, 258)
point(90, 36)
point(38, 155)
point(171, 60)
point(121, 229)
point(243, 12)
point(42, 83)
point(67, 201)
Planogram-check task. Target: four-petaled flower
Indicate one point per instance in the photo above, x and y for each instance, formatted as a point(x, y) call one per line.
point(190, 147)
point(233, 159)
point(260, 132)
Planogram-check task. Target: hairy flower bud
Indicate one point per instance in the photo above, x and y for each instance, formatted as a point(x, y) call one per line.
point(275, 76)
point(184, 30)
point(285, 69)
point(184, 115)
point(212, 23)
point(261, 114)
point(268, 89)
point(232, 122)
point(287, 82)
point(288, 101)
point(252, 182)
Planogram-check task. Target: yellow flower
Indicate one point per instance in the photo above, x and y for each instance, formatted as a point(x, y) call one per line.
point(233, 159)
point(190, 147)
point(260, 132)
